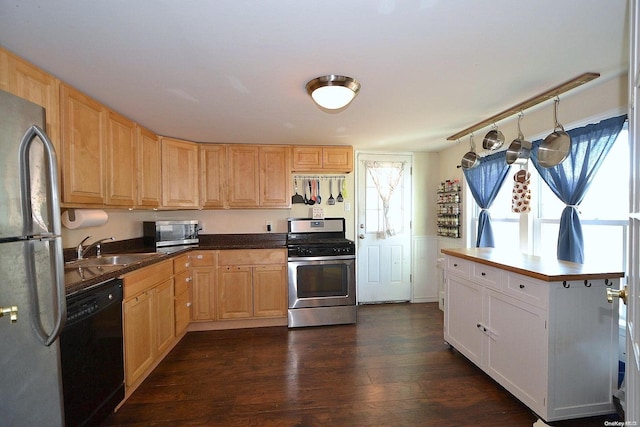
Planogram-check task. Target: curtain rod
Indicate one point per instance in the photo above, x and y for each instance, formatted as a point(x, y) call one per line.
point(549, 94)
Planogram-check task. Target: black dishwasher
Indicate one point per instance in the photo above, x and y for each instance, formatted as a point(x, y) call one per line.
point(92, 355)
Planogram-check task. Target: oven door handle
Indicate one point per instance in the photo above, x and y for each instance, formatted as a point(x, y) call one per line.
point(321, 258)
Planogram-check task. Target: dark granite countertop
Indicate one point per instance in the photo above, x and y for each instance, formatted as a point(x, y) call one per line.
point(80, 279)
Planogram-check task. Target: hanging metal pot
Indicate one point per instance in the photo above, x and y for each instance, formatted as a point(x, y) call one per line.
point(556, 146)
point(471, 159)
point(493, 139)
point(519, 149)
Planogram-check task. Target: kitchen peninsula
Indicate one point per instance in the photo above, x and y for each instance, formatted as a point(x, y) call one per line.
point(540, 327)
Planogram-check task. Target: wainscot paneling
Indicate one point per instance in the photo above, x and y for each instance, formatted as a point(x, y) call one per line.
point(425, 271)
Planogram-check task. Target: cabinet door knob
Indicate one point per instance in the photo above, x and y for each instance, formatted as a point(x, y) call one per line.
point(483, 273)
point(521, 286)
point(455, 265)
point(188, 279)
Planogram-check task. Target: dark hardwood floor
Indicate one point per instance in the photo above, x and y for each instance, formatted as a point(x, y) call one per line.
point(391, 369)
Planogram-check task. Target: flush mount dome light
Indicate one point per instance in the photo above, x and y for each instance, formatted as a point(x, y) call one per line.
point(333, 92)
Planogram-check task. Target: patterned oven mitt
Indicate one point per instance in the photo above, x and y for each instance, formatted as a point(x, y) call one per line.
point(521, 199)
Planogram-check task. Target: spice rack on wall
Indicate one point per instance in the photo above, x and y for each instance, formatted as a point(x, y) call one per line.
point(449, 211)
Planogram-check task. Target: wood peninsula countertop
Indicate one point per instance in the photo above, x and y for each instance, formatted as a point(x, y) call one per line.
point(547, 269)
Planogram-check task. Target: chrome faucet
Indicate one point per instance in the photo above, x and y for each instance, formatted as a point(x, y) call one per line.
point(82, 251)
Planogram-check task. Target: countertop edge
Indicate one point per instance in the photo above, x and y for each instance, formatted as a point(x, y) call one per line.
point(493, 258)
point(77, 287)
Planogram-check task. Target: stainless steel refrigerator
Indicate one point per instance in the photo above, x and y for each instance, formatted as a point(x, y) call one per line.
point(32, 294)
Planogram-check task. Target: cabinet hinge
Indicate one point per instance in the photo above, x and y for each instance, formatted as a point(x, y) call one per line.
point(411, 278)
point(545, 324)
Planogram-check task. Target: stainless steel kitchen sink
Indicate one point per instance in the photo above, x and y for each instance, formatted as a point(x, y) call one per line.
point(113, 259)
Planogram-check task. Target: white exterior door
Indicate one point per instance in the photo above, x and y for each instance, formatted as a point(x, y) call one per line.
point(632, 380)
point(384, 228)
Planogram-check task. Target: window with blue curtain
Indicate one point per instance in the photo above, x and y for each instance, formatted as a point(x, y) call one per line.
point(571, 179)
point(484, 182)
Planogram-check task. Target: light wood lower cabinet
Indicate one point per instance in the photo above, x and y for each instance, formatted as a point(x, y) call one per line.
point(162, 300)
point(183, 279)
point(235, 296)
point(553, 345)
point(138, 336)
point(164, 316)
point(252, 284)
point(269, 291)
point(203, 271)
point(148, 318)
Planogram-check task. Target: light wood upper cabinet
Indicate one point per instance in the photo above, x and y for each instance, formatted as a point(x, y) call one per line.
point(322, 159)
point(122, 161)
point(339, 159)
point(149, 179)
point(275, 182)
point(83, 148)
point(258, 176)
point(179, 174)
point(27, 81)
point(244, 176)
point(307, 159)
point(213, 175)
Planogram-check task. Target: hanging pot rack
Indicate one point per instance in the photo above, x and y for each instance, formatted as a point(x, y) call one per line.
point(544, 96)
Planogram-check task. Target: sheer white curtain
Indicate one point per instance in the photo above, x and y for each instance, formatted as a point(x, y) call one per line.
point(386, 177)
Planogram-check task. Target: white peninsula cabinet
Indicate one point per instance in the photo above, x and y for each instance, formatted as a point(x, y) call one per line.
point(542, 329)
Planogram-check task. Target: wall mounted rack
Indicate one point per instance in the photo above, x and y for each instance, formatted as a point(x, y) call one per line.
point(549, 94)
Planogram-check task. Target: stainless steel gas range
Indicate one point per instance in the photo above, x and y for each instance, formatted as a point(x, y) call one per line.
point(322, 277)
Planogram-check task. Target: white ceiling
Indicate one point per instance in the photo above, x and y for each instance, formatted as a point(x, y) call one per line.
point(235, 70)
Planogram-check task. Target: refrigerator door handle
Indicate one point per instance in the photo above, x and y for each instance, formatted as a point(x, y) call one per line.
point(57, 269)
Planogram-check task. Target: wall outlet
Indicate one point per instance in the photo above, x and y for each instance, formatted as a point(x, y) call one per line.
point(347, 206)
point(268, 225)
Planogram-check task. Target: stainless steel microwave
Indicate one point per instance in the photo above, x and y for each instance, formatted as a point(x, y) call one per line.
point(170, 233)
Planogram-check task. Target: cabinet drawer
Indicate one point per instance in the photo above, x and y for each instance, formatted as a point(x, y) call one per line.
point(487, 275)
point(145, 278)
point(458, 266)
point(181, 263)
point(252, 257)
point(528, 290)
point(203, 258)
point(182, 281)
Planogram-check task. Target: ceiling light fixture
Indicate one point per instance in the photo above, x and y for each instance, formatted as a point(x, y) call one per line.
point(333, 92)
